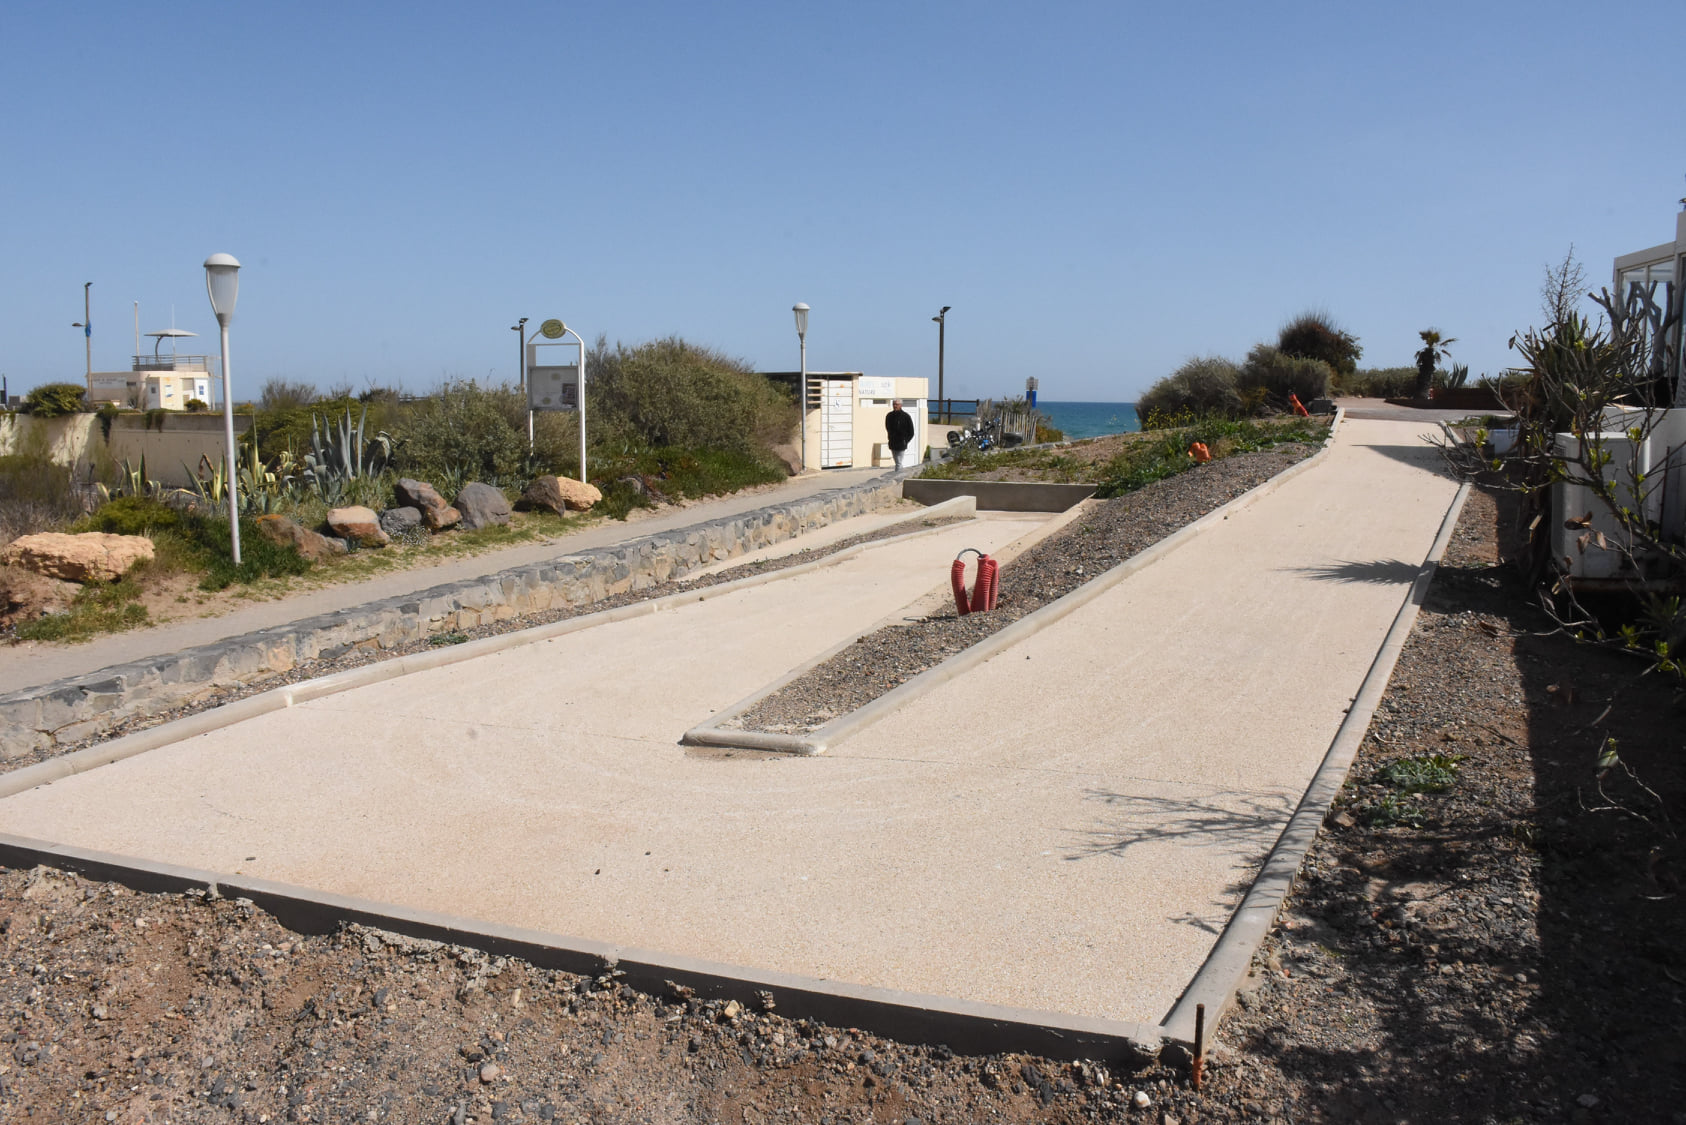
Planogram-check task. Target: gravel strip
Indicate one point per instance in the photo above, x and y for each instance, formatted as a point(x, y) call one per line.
point(1112, 532)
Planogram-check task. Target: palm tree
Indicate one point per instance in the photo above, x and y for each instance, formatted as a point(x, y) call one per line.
point(1435, 346)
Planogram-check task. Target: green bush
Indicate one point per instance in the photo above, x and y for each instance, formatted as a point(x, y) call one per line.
point(670, 393)
point(1270, 376)
point(55, 400)
point(1315, 335)
point(1384, 382)
point(1203, 385)
point(464, 429)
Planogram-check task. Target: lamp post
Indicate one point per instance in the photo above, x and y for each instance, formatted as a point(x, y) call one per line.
point(222, 282)
point(800, 308)
point(941, 326)
point(87, 326)
point(521, 364)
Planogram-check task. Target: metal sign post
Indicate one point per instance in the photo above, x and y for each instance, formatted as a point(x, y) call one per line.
point(556, 386)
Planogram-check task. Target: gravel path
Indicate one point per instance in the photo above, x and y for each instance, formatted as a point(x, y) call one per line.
point(1111, 532)
point(357, 657)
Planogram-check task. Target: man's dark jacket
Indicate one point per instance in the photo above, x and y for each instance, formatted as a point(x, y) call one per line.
point(899, 427)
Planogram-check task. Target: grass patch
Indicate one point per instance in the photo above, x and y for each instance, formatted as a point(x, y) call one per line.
point(100, 608)
point(1055, 466)
point(188, 542)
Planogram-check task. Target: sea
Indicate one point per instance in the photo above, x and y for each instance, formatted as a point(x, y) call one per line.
point(1090, 419)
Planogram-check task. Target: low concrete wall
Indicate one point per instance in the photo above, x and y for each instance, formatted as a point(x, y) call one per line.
point(1000, 496)
point(72, 709)
point(172, 443)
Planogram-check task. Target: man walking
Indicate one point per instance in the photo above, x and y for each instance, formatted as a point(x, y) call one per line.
point(898, 427)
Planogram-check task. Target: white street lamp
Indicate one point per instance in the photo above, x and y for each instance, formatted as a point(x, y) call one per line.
point(222, 282)
point(801, 311)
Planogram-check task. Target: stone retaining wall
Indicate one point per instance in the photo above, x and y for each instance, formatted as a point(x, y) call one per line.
point(66, 711)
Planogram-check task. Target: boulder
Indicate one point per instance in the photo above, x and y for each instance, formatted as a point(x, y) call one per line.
point(290, 533)
point(560, 495)
point(418, 494)
point(482, 505)
point(396, 521)
point(26, 595)
point(94, 556)
point(358, 524)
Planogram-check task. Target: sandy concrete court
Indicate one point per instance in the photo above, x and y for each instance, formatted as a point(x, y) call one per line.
point(1065, 828)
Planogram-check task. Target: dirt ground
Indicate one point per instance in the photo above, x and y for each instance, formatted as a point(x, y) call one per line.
point(1512, 948)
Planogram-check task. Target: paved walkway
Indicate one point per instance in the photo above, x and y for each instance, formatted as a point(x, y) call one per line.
point(1065, 828)
point(31, 664)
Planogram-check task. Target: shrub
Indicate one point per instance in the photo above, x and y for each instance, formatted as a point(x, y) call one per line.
point(198, 542)
point(1271, 376)
point(285, 394)
point(1203, 385)
point(1379, 382)
point(1314, 335)
point(196, 406)
point(35, 495)
point(669, 393)
point(55, 400)
point(465, 429)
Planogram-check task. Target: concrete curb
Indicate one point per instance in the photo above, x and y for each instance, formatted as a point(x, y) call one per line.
point(1000, 496)
point(44, 716)
point(965, 1026)
point(1225, 967)
point(81, 761)
point(817, 741)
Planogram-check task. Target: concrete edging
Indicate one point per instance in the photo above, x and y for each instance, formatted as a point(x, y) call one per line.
point(970, 1027)
point(81, 761)
point(817, 741)
point(1215, 983)
point(1000, 496)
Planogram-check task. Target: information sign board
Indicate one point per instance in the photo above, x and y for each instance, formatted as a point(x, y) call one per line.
point(553, 387)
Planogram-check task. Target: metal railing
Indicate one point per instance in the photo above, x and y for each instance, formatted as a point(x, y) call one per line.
point(172, 363)
point(948, 409)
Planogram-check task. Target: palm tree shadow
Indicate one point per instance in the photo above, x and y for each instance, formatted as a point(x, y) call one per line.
point(1382, 572)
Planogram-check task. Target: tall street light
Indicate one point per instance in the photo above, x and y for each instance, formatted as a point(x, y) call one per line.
point(521, 364)
point(941, 325)
point(222, 282)
point(800, 308)
point(87, 327)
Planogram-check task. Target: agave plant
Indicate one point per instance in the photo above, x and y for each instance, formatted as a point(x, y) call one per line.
point(342, 451)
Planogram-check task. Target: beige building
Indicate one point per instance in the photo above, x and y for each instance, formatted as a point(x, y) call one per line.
point(845, 417)
point(155, 383)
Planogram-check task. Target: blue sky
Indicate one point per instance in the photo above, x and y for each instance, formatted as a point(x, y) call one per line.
point(1099, 190)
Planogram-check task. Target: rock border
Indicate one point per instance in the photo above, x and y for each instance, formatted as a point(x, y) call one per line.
point(46, 716)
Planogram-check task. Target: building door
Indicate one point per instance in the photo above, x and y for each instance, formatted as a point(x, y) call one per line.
point(837, 431)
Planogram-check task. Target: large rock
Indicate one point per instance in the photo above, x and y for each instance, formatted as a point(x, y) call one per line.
point(26, 595)
point(396, 521)
point(418, 494)
point(94, 556)
point(560, 495)
point(290, 533)
point(359, 524)
point(482, 505)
